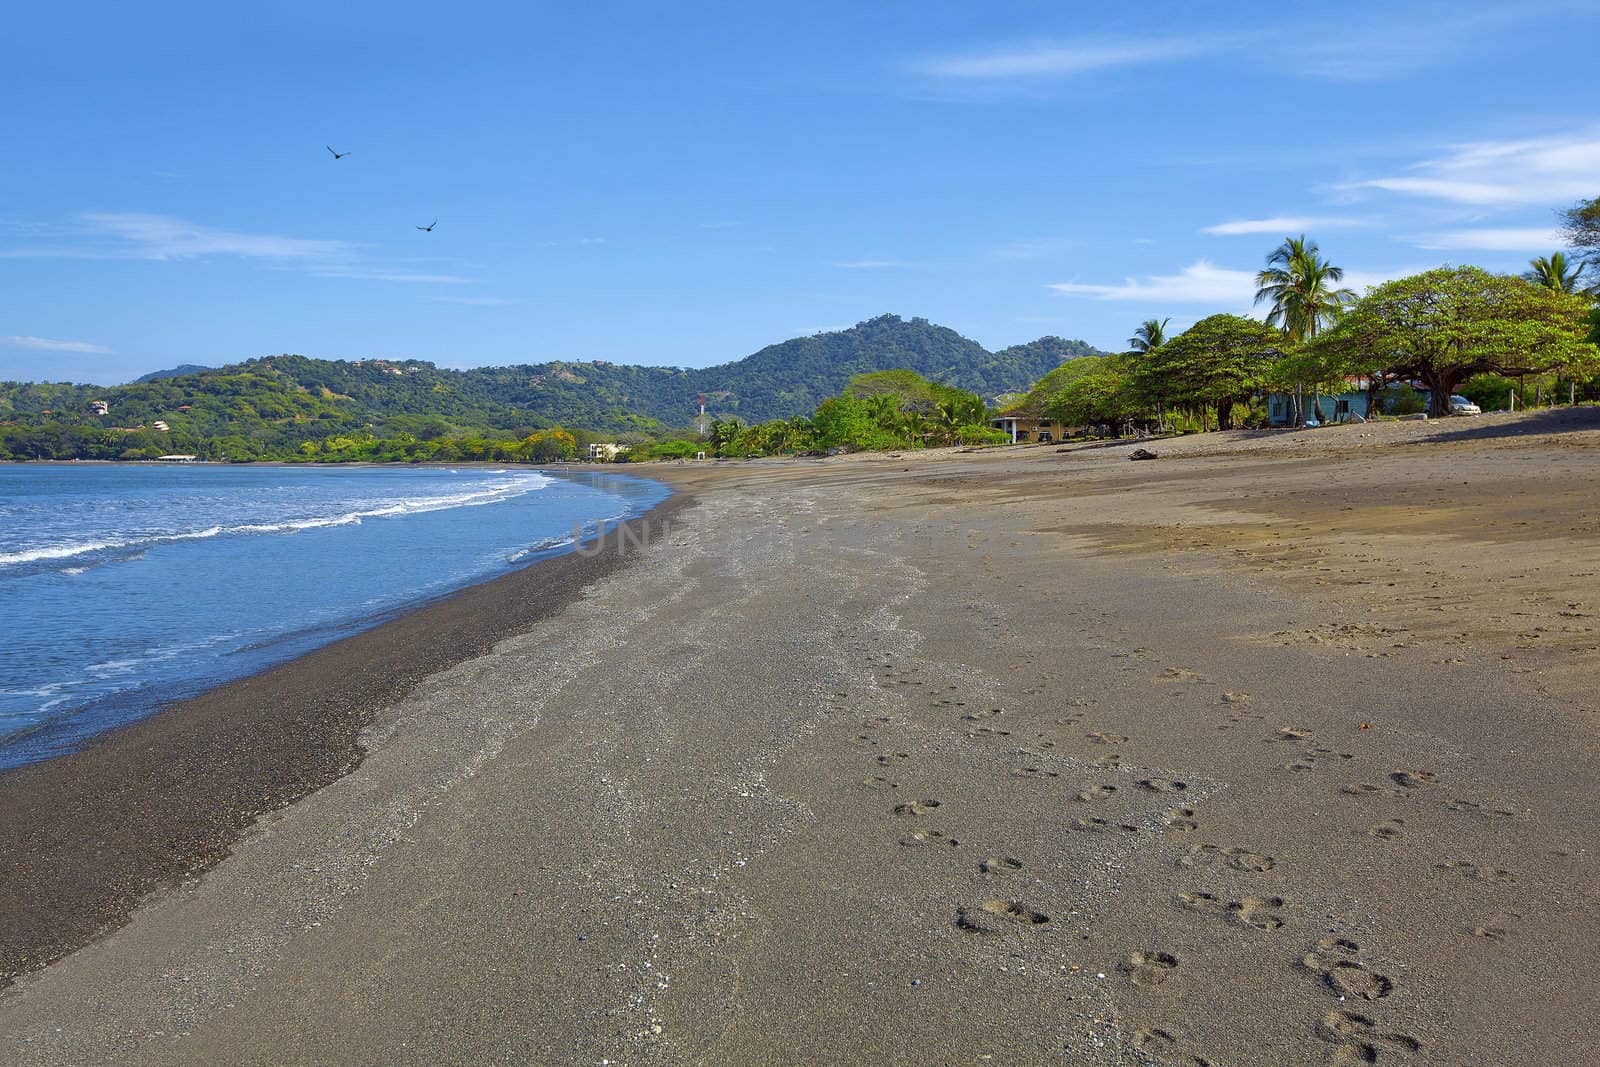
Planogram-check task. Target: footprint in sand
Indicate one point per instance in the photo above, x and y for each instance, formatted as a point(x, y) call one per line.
point(1490, 933)
point(879, 783)
point(1472, 807)
point(979, 716)
point(1097, 792)
point(998, 917)
point(1155, 1041)
point(1235, 698)
point(1334, 961)
point(1389, 830)
point(1161, 785)
point(1406, 779)
point(887, 758)
point(1475, 872)
point(985, 731)
point(1102, 826)
point(1100, 737)
point(920, 838)
point(1001, 865)
point(1258, 913)
point(1240, 859)
point(1359, 1038)
point(1359, 789)
point(1291, 735)
point(1112, 759)
point(916, 807)
point(1033, 772)
point(1181, 820)
point(1148, 968)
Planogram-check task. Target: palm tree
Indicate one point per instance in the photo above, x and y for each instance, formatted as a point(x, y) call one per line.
point(1150, 335)
point(1554, 273)
point(1302, 288)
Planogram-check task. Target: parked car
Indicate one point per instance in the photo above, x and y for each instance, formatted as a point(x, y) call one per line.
point(1460, 405)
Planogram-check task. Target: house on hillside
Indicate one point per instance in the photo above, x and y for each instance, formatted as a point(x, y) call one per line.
point(1324, 409)
point(1022, 426)
point(606, 451)
point(99, 407)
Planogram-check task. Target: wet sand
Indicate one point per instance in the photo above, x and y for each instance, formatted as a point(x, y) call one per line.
point(85, 837)
point(1276, 750)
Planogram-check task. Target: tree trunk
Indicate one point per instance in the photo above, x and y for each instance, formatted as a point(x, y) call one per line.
point(1224, 414)
point(1440, 385)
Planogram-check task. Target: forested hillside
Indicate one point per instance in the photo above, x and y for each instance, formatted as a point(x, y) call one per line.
point(276, 403)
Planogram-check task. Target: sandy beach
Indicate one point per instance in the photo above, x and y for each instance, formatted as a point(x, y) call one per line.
point(1276, 750)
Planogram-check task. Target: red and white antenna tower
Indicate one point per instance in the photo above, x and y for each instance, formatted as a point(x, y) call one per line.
point(702, 414)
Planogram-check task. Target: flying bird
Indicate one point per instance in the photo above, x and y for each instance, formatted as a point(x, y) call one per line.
point(336, 155)
point(429, 227)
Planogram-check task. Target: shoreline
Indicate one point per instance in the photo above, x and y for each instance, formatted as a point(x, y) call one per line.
point(88, 835)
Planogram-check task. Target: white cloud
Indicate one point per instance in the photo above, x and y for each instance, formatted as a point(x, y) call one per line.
point(1055, 60)
point(1280, 226)
point(166, 237)
point(1200, 282)
point(1203, 282)
point(1503, 173)
point(1507, 239)
point(49, 344)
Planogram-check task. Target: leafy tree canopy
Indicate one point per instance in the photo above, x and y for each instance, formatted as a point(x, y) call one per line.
point(1218, 362)
point(1444, 326)
point(1581, 224)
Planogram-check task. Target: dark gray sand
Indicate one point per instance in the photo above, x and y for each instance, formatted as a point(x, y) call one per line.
point(1275, 751)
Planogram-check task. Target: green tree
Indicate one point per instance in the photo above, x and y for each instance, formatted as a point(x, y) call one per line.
point(1215, 364)
point(1444, 326)
point(1304, 293)
point(722, 433)
point(1103, 398)
point(1151, 334)
point(1554, 272)
point(1581, 225)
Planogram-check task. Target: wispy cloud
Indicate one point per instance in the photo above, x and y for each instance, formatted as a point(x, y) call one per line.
point(1055, 60)
point(474, 301)
point(1392, 41)
point(1547, 170)
point(1492, 239)
point(1281, 225)
point(1203, 282)
point(393, 276)
point(166, 237)
point(50, 344)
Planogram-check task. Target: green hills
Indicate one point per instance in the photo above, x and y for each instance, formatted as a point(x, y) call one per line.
point(279, 401)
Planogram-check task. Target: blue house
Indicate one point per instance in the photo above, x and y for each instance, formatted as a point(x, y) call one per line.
point(1327, 408)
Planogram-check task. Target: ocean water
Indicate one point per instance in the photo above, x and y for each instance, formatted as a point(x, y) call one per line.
point(126, 586)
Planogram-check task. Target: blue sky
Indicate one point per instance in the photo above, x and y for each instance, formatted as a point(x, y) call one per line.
point(683, 184)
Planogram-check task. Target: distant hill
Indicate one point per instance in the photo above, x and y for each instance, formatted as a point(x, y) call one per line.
point(284, 400)
point(176, 372)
